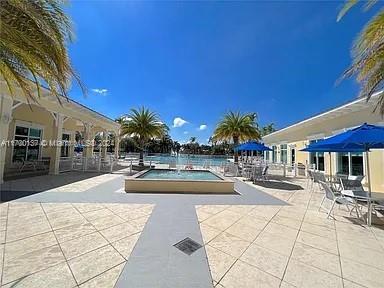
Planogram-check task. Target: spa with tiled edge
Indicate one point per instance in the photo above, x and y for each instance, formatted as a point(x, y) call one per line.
point(179, 181)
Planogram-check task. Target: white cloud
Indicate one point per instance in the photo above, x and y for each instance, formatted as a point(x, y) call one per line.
point(178, 122)
point(202, 127)
point(185, 132)
point(100, 91)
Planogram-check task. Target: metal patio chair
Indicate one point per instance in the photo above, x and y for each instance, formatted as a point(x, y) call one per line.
point(337, 199)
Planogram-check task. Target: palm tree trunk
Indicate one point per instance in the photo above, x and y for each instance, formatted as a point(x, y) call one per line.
point(141, 159)
point(236, 142)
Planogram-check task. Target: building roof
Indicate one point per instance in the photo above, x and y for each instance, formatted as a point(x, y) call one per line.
point(331, 117)
point(68, 107)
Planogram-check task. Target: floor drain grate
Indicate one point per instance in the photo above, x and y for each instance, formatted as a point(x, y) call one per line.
point(188, 246)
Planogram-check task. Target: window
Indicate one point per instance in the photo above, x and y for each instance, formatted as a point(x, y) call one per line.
point(316, 158)
point(343, 163)
point(27, 143)
point(65, 145)
point(283, 153)
point(266, 156)
point(350, 163)
point(274, 154)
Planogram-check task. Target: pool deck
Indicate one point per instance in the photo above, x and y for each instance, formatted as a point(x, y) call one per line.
point(91, 233)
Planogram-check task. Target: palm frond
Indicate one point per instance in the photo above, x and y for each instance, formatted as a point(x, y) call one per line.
point(33, 48)
point(144, 124)
point(368, 55)
point(347, 6)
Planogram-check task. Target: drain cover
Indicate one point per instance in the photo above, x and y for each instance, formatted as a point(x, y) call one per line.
point(188, 246)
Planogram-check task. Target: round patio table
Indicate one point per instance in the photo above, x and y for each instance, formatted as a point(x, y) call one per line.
point(364, 196)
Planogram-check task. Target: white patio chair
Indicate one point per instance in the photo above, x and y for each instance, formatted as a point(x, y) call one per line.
point(265, 173)
point(231, 169)
point(257, 173)
point(317, 178)
point(337, 199)
point(310, 179)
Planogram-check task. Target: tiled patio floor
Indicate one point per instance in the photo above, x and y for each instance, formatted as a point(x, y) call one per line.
point(250, 245)
point(290, 246)
point(67, 244)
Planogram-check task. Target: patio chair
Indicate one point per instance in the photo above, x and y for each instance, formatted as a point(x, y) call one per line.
point(317, 178)
point(350, 184)
point(357, 178)
point(265, 173)
point(337, 199)
point(247, 171)
point(309, 179)
point(258, 173)
point(231, 169)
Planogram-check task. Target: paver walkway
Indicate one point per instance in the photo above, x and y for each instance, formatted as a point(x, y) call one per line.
point(291, 246)
point(102, 237)
point(174, 219)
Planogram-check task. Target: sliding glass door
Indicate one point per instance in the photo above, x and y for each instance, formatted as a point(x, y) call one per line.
point(350, 163)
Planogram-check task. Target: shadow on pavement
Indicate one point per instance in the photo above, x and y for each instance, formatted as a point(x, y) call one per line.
point(15, 189)
point(273, 184)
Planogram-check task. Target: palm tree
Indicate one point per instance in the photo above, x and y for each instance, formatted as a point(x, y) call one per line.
point(237, 127)
point(176, 147)
point(368, 54)
point(145, 125)
point(268, 129)
point(33, 47)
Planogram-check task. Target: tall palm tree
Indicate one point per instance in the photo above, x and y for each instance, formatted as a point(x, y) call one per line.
point(33, 50)
point(268, 129)
point(368, 54)
point(237, 127)
point(145, 125)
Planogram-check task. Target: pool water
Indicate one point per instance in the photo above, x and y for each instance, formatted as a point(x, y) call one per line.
point(179, 175)
point(196, 160)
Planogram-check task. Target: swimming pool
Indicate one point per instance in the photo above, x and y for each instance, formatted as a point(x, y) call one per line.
point(183, 181)
point(196, 160)
point(179, 174)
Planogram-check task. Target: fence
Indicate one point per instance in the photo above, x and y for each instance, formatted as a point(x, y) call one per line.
point(276, 169)
point(88, 164)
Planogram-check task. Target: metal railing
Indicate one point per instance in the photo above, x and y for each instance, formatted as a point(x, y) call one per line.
point(88, 164)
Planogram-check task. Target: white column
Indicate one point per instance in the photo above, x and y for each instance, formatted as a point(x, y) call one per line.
point(5, 118)
point(88, 138)
point(57, 137)
point(117, 144)
point(104, 146)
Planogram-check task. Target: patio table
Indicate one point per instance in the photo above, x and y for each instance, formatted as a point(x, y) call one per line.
point(364, 196)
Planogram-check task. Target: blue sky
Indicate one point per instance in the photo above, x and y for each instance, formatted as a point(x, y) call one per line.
point(198, 60)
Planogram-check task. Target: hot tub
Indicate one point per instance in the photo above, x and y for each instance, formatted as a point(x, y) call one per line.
point(178, 181)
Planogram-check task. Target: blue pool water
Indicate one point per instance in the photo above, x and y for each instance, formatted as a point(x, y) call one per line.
point(197, 160)
point(179, 175)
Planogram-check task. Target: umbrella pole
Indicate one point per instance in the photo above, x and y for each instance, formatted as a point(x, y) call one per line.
point(369, 218)
point(330, 166)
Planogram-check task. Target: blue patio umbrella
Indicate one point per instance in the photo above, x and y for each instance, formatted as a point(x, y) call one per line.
point(360, 139)
point(252, 146)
